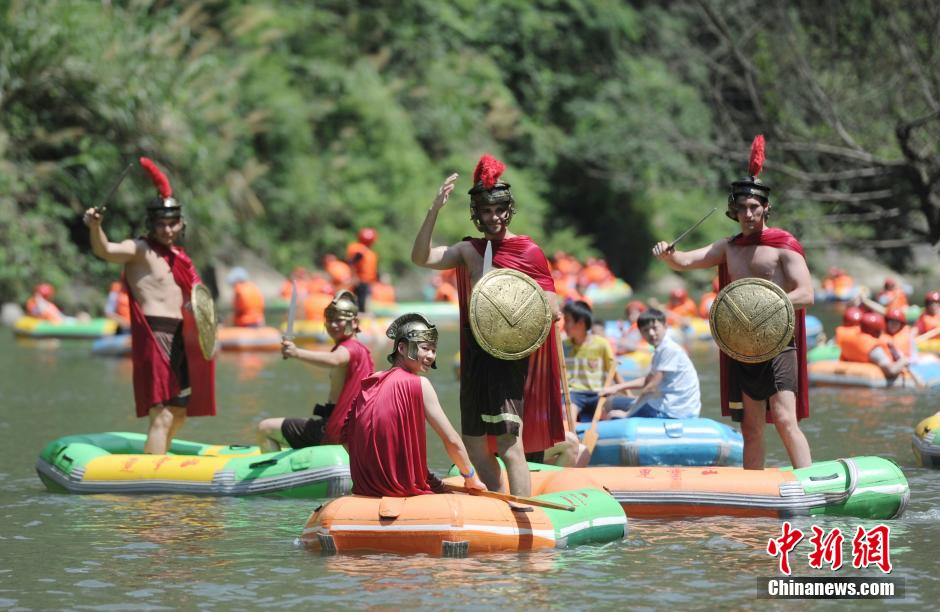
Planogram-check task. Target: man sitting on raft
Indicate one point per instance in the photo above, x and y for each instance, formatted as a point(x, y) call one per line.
point(671, 389)
point(350, 362)
point(384, 430)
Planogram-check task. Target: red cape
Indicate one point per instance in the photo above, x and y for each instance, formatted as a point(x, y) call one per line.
point(385, 435)
point(154, 382)
point(780, 239)
point(360, 366)
point(543, 419)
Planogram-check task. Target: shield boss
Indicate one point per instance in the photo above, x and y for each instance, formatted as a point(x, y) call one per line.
point(752, 320)
point(509, 314)
point(204, 313)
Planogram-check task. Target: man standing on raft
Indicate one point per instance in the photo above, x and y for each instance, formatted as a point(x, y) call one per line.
point(172, 378)
point(498, 397)
point(776, 390)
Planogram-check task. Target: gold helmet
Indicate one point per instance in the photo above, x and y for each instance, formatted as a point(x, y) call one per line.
point(488, 189)
point(344, 307)
point(750, 185)
point(413, 328)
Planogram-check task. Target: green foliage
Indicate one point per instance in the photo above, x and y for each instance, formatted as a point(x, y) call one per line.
point(285, 127)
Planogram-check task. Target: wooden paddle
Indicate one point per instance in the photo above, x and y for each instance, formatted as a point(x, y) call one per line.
point(590, 436)
point(564, 378)
point(531, 501)
point(873, 305)
point(927, 335)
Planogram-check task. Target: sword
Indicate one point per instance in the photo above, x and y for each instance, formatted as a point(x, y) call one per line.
point(101, 208)
point(291, 313)
point(672, 245)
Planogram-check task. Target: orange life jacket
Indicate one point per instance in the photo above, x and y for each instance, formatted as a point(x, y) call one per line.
point(340, 273)
point(705, 304)
point(382, 292)
point(248, 305)
point(896, 299)
point(902, 340)
point(446, 293)
point(927, 322)
point(43, 309)
point(367, 266)
point(859, 347)
point(686, 309)
point(314, 306)
point(846, 333)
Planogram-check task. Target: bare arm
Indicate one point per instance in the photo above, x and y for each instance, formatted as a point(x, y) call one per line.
point(422, 253)
point(323, 359)
point(636, 383)
point(705, 257)
point(797, 274)
point(114, 252)
point(449, 436)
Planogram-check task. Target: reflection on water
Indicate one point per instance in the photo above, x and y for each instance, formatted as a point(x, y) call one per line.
point(62, 551)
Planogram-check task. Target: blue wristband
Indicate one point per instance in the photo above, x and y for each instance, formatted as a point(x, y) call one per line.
point(470, 473)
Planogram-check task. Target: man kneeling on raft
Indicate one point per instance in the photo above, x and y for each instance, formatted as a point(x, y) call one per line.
point(350, 362)
point(384, 430)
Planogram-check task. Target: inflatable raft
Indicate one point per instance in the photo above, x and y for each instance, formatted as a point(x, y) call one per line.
point(642, 441)
point(926, 442)
point(266, 339)
point(929, 346)
point(852, 374)
point(610, 293)
point(31, 327)
point(456, 525)
point(112, 346)
point(115, 463)
point(861, 487)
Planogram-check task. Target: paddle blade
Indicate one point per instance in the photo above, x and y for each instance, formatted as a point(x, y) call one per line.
point(590, 439)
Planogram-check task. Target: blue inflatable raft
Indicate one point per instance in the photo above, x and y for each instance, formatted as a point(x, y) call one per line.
point(641, 441)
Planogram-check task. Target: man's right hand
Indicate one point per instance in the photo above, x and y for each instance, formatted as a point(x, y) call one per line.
point(92, 217)
point(288, 349)
point(662, 251)
point(444, 192)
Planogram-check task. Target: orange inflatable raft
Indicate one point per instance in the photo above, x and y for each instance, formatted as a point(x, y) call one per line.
point(853, 374)
point(260, 339)
point(455, 525)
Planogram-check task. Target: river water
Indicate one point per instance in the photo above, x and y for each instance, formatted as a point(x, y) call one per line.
point(166, 552)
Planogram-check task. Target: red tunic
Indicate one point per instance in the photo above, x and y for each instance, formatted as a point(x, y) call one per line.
point(779, 239)
point(385, 435)
point(360, 366)
point(154, 381)
point(543, 420)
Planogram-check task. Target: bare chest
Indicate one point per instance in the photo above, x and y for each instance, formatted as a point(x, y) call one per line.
point(151, 282)
point(755, 261)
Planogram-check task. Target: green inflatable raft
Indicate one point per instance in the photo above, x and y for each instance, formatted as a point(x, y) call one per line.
point(115, 463)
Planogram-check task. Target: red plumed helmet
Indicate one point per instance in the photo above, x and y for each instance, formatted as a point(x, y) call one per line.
point(488, 171)
point(756, 161)
point(164, 205)
point(896, 314)
point(931, 296)
point(852, 316)
point(45, 290)
point(873, 324)
point(367, 236)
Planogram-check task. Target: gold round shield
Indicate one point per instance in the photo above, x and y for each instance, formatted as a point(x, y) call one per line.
point(752, 320)
point(204, 313)
point(509, 314)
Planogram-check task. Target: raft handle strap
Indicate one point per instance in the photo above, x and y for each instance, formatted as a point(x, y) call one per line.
point(851, 482)
point(239, 446)
point(261, 464)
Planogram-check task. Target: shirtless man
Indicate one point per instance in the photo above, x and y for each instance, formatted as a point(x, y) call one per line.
point(495, 399)
point(172, 380)
point(777, 386)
